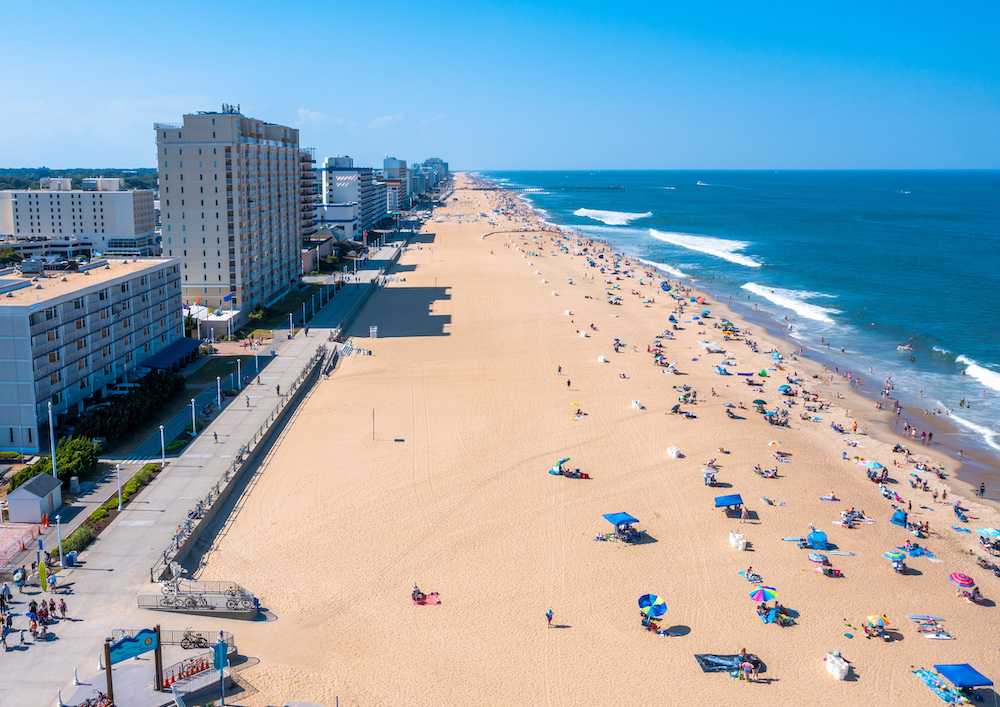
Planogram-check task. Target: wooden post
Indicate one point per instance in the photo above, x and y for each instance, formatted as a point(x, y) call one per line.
point(158, 661)
point(107, 670)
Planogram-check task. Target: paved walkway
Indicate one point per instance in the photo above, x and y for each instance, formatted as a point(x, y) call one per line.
point(115, 568)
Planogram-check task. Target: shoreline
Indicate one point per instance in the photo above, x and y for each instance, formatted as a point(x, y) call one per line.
point(964, 473)
point(428, 462)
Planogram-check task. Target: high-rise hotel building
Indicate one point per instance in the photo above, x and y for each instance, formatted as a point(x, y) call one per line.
point(230, 208)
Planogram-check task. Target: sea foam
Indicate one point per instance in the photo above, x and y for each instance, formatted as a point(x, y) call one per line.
point(611, 218)
point(665, 268)
point(719, 247)
point(991, 379)
point(794, 300)
point(940, 350)
point(989, 435)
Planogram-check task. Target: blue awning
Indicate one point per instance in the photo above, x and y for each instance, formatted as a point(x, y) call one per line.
point(963, 675)
point(172, 354)
point(619, 519)
point(726, 501)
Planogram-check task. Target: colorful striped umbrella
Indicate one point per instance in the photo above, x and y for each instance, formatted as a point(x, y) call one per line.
point(878, 620)
point(894, 555)
point(652, 606)
point(775, 443)
point(962, 580)
point(989, 532)
point(817, 557)
point(763, 594)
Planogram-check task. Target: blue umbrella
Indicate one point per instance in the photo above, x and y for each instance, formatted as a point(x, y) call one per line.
point(785, 387)
point(652, 606)
point(874, 465)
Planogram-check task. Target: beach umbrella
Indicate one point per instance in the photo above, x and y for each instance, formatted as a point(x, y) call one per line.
point(874, 465)
point(817, 557)
point(768, 414)
point(894, 555)
point(705, 313)
point(763, 594)
point(989, 532)
point(962, 580)
point(562, 461)
point(728, 405)
point(774, 442)
point(31, 615)
point(878, 620)
point(762, 374)
point(652, 606)
point(784, 387)
point(758, 401)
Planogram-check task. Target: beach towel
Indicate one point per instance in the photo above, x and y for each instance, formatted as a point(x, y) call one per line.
point(961, 530)
point(795, 540)
point(766, 500)
point(711, 663)
point(433, 599)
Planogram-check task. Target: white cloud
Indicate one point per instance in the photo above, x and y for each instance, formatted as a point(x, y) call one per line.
point(428, 121)
point(386, 120)
point(310, 116)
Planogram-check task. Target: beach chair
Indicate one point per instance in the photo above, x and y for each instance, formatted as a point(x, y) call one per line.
point(770, 616)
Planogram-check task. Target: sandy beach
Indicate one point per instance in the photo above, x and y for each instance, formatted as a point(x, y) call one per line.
point(428, 462)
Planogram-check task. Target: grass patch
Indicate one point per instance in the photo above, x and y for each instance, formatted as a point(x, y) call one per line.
point(221, 367)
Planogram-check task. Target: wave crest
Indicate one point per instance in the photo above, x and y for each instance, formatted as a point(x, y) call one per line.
point(665, 268)
point(991, 379)
point(988, 435)
point(611, 218)
point(794, 300)
point(719, 247)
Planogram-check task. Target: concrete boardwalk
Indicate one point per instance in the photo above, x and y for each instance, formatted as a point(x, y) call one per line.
point(101, 592)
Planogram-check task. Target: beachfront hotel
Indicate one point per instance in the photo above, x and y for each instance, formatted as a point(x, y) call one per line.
point(231, 209)
point(101, 217)
point(67, 335)
point(343, 183)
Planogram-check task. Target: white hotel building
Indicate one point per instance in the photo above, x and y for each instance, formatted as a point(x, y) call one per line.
point(66, 337)
point(101, 216)
point(230, 208)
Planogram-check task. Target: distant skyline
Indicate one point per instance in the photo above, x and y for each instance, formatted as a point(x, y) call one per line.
point(517, 85)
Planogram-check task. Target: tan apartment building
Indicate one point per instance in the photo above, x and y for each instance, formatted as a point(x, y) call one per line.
point(230, 208)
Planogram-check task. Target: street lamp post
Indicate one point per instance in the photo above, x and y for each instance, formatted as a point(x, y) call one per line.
point(291, 326)
point(118, 472)
point(59, 535)
point(194, 421)
point(163, 449)
point(218, 390)
point(256, 363)
point(239, 374)
point(272, 342)
point(52, 440)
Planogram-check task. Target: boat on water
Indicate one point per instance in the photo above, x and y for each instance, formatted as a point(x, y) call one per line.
point(702, 184)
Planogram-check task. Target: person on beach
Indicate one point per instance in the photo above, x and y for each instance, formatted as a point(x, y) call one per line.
point(567, 382)
point(548, 618)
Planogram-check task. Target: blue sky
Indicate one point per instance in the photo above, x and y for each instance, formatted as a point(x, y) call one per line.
point(517, 85)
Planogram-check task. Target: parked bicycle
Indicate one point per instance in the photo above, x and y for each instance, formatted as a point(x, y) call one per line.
point(193, 639)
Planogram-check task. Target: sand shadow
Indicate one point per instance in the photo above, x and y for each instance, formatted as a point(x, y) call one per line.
point(422, 237)
point(718, 484)
point(403, 268)
point(679, 630)
point(644, 539)
point(405, 312)
point(264, 615)
point(552, 625)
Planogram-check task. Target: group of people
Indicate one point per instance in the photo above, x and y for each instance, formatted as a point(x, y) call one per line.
point(40, 614)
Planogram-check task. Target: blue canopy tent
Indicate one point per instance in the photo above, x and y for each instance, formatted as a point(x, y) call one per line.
point(620, 519)
point(719, 370)
point(728, 501)
point(899, 518)
point(776, 356)
point(816, 540)
point(671, 318)
point(963, 675)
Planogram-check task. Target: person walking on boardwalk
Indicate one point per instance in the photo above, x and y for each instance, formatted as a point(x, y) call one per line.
point(277, 389)
point(548, 618)
point(248, 401)
point(216, 435)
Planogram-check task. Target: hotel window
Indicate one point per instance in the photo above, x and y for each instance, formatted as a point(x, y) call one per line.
point(128, 358)
point(81, 323)
point(53, 357)
point(105, 332)
point(52, 335)
point(81, 364)
point(128, 340)
point(106, 351)
point(107, 370)
point(80, 344)
point(54, 378)
point(83, 384)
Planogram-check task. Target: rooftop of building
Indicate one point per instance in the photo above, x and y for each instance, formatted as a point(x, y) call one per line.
point(24, 290)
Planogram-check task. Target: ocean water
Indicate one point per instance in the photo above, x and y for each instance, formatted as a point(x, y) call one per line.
point(865, 260)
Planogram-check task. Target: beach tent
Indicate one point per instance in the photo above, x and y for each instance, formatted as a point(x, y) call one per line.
point(620, 519)
point(671, 318)
point(727, 501)
point(776, 356)
point(722, 371)
point(816, 540)
point(899, 518)
point(762, 374)
point(706, 313)
point(963, 675)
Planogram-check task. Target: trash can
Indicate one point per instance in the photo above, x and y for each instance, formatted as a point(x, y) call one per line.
point(70, 558)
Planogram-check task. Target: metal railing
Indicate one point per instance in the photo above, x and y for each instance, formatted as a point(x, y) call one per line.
point(197, 514)
point(202, 586)
point(170, 637)
point(197, 602)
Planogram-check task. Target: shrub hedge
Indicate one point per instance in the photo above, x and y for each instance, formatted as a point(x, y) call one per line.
point(75, 456)
point(118, 419)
